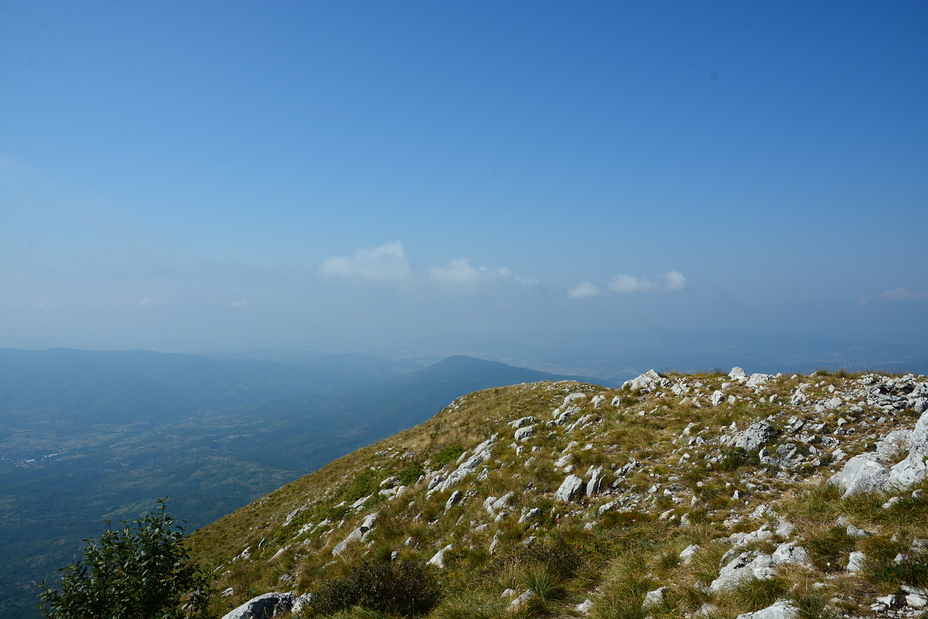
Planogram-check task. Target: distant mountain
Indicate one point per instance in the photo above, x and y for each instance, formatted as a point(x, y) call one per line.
point(89, 435)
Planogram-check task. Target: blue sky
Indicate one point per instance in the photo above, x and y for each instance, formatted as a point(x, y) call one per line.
point(191, 176)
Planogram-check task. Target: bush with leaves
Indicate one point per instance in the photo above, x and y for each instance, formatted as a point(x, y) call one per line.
point(400, 588)
point(139, 571)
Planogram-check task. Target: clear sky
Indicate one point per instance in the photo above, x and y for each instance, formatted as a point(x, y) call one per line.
point(201, 175)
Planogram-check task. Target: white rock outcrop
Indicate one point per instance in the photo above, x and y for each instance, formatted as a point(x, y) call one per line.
point(868, 472)
point(356, 535)
point(647, 382)
point(438, 559)
point(572, 487)
point(482, 453)
point(266, 606)
point(779, 610)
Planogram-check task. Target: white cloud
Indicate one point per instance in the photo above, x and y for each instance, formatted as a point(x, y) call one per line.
point(384, 264)
point(671, 280)
point(584, 290)
point(459, 274)
point(389, 264)
point(901, 293)
point(151, 302)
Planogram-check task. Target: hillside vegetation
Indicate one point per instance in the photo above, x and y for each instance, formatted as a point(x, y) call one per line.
point(681, 495)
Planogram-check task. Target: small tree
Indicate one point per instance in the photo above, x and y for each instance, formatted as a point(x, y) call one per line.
point(141, 571)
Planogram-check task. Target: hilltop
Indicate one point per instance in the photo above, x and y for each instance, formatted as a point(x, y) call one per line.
point(87, 436)
point(709, 495)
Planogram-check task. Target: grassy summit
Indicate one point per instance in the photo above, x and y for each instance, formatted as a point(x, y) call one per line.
point(672, 511)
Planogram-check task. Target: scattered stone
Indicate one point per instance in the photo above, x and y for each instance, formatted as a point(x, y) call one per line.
point(266, 606)
point(522, 602)
point(572, 487)
point(356, 535)
point(454, 499)
point(687, 554)
point(779, 610)
point(647, 382)
point(438, 559)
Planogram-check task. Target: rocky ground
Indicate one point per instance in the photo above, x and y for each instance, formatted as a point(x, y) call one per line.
point(748, 496)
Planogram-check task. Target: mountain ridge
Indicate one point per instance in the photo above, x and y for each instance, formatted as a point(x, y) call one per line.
point(676, 495)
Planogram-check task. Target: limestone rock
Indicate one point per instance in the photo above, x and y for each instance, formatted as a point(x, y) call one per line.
point(779, 610)
point(482, 453)
point(356, 535)
point(303, 601)
point(861, 474)
point(647, 382)
point(522, 421)
point(265, 606)
point(855, 562)
point(892, 444)
point(654, 598)
point(522, 602)
point(686, 555)
point(596, 478)
point(758, 381)
point(438, 559)
point(754, 437)
point(570, 488)
point(738, 375)
point(523, 434)
point(454, 499)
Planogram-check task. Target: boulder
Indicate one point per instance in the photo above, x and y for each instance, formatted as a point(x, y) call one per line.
point(482, 453)
point(755, 436)
point(686, 555)
point(522, 602)
point(438, 559)
point(861, 474)
point(454, 499)
point(522, 421)
point(891, 445)
point(570, 488)
point(647, 382)
point(356, 535)
point(596, 479)
point(738, 375)
point(753, 564)
point(855, 562)
point(779, 610)
point(523, 434)
point(654, 598)
point(265, 606)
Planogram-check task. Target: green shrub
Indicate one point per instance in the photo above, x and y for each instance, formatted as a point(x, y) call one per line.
point(141, 571)
point(362, 485)
point(402, 588)
point(447, 455)
point(410, 474)
point(736, 457)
